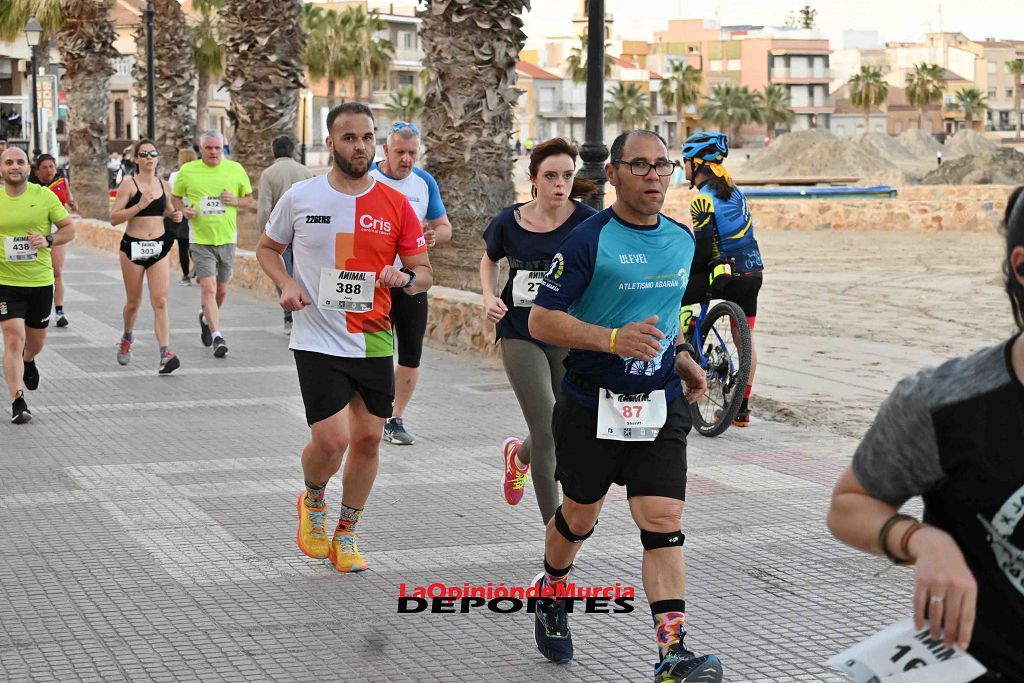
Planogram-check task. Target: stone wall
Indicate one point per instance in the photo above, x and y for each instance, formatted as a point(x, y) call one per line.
point(457, 320)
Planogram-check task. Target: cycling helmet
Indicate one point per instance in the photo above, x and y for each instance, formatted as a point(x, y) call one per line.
point(706, 146)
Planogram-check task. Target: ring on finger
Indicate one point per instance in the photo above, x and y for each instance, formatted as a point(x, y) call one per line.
point(936, 599)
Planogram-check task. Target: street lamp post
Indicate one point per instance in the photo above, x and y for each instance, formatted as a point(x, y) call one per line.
point(593, 152)
point(302, 125)
point(150, 96)
point(34, 33)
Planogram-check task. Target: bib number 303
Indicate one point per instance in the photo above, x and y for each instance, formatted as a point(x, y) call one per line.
point(630, 417)
point(346, 290)
point(19, 249)
point(143, 251)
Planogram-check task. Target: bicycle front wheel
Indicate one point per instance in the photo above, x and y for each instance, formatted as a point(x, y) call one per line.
point(725, 340)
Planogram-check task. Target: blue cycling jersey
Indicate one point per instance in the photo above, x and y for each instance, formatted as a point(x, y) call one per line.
point(609, 272)
point(734, 224)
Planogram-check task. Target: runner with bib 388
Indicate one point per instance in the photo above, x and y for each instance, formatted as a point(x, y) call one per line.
point(611, 296)
point(345, 229)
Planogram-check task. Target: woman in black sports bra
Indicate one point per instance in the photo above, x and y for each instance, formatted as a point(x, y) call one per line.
point(142, 202)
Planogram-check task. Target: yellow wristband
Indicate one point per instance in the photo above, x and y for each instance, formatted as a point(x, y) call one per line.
point(611, 342)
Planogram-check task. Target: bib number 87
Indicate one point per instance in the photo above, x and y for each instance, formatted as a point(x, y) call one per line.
point(349, 288)
point(630, 412)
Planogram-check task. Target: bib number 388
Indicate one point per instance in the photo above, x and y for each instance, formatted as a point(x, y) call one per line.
point(630, 417)
point(346, 290)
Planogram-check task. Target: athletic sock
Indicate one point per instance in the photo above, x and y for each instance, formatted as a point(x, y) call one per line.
point(669, 623)
point(215, 334)
point(164, 350)
point(554, 576)
point(128, 336)
point(349, 518)
point(59, 310)
point(315, 494)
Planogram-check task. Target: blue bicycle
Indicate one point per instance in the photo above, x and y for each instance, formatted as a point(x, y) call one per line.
point(720, 338)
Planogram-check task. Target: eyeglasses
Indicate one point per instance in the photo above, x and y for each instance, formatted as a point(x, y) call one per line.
point(399, 125)
point(146, 155)
point(642, 168)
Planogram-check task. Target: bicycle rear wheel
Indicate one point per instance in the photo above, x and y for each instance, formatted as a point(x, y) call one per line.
point(725, 337)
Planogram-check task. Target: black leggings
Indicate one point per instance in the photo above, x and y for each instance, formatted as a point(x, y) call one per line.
point(183, 255)
point(409, 320)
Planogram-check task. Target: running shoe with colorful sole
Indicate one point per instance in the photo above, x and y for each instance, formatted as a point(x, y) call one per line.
point(513, 480)
point(312, 534)
point(345, 555)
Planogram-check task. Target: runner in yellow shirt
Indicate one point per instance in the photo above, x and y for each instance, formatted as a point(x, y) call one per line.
point(209, 191)
point(26, 272)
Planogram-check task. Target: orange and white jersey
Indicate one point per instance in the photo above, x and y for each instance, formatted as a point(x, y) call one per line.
point(340, 243)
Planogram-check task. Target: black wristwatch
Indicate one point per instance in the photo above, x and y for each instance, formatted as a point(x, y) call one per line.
point(412, 277)
point(685, 346)
point(49, 241)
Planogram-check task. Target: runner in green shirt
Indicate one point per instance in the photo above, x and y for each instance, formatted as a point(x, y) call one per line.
point(26, 272)
point(209, 191)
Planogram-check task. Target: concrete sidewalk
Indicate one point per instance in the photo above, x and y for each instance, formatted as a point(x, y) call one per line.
point(147, 527)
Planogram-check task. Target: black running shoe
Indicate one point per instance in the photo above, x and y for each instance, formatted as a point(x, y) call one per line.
point(19, 410)
point(551, 629)
point(31, 376)
point(204, 331)
point(169, 363)
point(220, 349)
point(62, 320)
point(681, 664)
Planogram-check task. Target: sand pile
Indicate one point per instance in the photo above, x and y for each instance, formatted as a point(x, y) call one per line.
point(970, 142)
point(816, 153)
point(885, 147)
point(999, 166)
point(924, 145)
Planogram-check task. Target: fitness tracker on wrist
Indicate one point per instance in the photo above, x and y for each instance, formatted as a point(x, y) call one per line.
point(412, 277)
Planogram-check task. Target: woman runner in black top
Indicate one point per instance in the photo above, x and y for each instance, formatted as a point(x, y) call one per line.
point(141, 202)
point(954, 435)
point(528, 236)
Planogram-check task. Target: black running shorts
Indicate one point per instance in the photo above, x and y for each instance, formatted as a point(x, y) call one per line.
point(740, 289)
point(165, 241)
point(31, 303)
point(328, 384)
point(587, 466)
point(409, 321)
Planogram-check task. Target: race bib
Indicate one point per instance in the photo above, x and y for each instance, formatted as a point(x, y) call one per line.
point(211, 206)
point(630, 417)
point(143, 251)
point(346, 290)
point(902, 654)
point(524, 287)
point(18, 249)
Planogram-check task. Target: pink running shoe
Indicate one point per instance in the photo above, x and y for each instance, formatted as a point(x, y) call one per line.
point(513, 481)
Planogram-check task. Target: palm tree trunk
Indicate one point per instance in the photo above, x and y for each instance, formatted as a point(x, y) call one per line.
point(332, 86)
point(771, 130)
point(263, 73)
point(86, 44)
point(174, 78)
point(202, 102)
point(471, 51)
point(867, 117)
point(1016, 103)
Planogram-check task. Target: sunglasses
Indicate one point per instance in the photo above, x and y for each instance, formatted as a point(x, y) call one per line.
point(146, 155)
point(399, 125)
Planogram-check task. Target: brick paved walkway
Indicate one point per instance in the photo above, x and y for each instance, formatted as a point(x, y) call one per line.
point(147, 527)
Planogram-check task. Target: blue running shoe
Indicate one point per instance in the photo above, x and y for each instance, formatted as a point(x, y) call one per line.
point(681, 664)
point(551, 629)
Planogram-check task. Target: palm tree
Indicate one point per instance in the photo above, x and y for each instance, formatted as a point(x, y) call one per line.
point(369, 55)
point(868, 89)
point(772, 107)
point(576, 62)
point(924, 88)
point(730, 107)
point(404, 105)
point(680, 88)
point(174, 81)
point(471, 50)
point(86, 43)
point(207, 54)
point(627, 106)
point(325, 56)
point(1016, 68)
point(971, 102)
point(263, 74)
point(15, 15)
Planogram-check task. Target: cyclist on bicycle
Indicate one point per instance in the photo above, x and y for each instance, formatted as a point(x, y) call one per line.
point(727, 258)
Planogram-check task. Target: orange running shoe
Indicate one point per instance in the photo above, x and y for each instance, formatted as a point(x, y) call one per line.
point(312, 535)
point(513, 481)
point(345, 554)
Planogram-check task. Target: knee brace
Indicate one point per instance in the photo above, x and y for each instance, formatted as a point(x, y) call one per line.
point(563, 528)
point(653, 540)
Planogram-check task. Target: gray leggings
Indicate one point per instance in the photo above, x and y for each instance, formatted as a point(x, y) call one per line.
point(532, 370)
